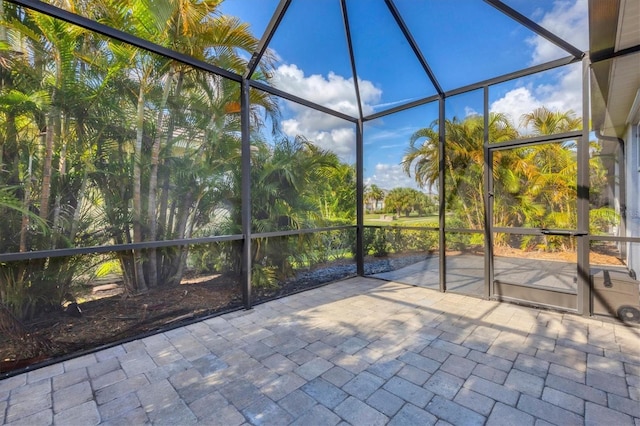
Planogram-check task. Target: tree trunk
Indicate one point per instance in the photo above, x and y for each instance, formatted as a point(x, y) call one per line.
point(140, 283)
point(465, 208)
point(9, 151)
point(46, 166)
point(153, 182)
point(80, 136)
point(26, 204)
point(163, 230)
point(172, 215)
point(181, 231)
point(62, 172)
point(183, 215)
point(184, 250)
point(164, 197)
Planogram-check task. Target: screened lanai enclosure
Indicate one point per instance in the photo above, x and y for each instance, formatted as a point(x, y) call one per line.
point(166, 160)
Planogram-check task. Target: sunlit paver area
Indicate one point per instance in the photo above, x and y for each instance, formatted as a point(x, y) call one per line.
point(361, 351)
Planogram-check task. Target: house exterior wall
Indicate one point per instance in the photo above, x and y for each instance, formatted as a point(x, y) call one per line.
point(632, 139)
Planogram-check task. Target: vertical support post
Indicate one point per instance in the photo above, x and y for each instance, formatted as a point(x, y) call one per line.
point(359, 199)
point(441, 195)
point(359, 149)
point(245, 109)
point(488, 202)
point(583, 279)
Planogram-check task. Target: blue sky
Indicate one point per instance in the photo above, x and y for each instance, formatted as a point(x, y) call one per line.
point(463, 41)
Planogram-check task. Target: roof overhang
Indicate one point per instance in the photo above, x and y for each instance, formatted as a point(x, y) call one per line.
point(614, 41)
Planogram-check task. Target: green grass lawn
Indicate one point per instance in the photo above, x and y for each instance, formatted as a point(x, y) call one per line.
point(375, 220)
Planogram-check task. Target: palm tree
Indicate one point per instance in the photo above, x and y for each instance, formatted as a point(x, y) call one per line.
point(464, 162)
point(423, 159)
point(547, 122)
point(289, 191)
point(373, 195)
point(535, 186)
point(195, 114)
point(336, 192)
point(44, 98)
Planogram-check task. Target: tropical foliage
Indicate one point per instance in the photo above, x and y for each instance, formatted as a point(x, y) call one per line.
point(534, 186)
point(103, 143)
point(408, 200)
point(373, 195)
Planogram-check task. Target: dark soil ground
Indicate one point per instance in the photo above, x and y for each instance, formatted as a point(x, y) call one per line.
point(108, 315)
point(111, 317)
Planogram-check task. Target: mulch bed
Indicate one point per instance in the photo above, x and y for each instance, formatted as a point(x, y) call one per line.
point(114, 317)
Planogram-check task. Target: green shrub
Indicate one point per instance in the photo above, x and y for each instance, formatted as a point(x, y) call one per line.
point(379, 245)
point(264, 277)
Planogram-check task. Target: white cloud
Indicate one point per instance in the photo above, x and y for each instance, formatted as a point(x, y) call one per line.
point(333, 91)
point(468, 111)
point(568, 20)
point(563, 91)
point(515, 103)
point(389, 176)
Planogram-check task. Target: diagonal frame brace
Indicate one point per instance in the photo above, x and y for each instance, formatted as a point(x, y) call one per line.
point(536, 28)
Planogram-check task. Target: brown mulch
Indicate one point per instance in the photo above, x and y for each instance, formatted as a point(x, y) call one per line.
point(599, 256)
point(111, 316)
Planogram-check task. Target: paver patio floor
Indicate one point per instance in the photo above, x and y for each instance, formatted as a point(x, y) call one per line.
point(360, 351)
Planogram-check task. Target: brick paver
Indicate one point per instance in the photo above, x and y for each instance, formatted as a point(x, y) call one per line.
point(412, 415)
point(473, 400)
point(357, 412)
point(504, 415)
point(361, 352)
point(453, 412)
point(385, 402)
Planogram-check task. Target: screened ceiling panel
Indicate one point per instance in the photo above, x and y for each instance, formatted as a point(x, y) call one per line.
point(568, 20)
point(465, 105)
point(389, 72)
point(203, 30)
point(468, 41)
point(523, 102)
point(321, 71)
point(388, 141)
point(256, 13)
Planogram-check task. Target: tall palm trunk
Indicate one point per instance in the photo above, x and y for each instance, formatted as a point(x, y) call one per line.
point(26, 204)
point(46, 166)
point(164, 227)
point(52, 120)
point(174, 266)
point(139, 280)
point(62, 172)
point(78, 210)
point(465, 207)
point(80, 137)
point(184, 250)
point(153, 183)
